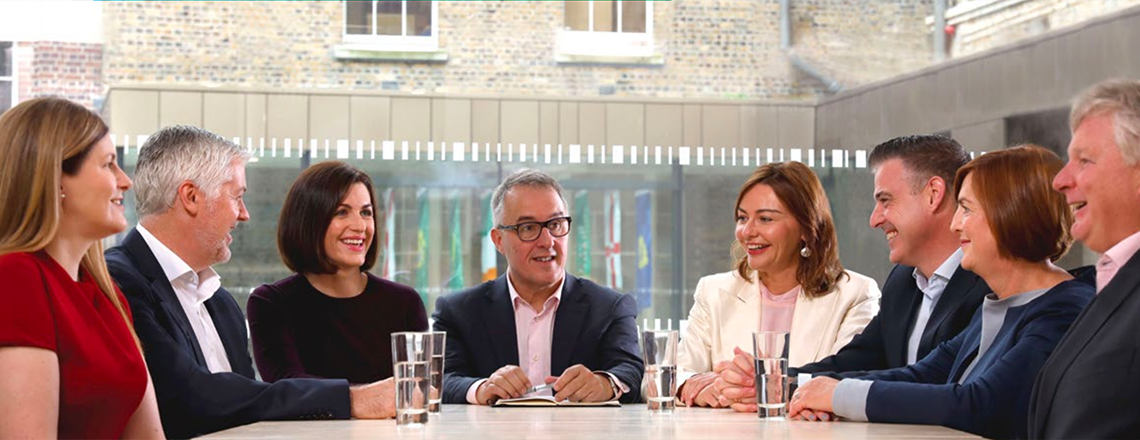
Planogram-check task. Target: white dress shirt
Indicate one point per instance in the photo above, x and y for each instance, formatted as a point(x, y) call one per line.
point(932, 289)
point(192, 290)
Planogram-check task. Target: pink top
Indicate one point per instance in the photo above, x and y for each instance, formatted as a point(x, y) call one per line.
point(1114, 258)
point(776, 311)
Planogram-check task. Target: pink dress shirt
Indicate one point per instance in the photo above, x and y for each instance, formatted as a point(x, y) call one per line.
point(1109, 263)
point(535, 332)
point(776, 311)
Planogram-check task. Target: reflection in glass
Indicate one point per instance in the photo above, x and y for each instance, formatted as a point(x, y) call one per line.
point(419, 18)
point(633, 16)
point(5, 95)
point(358, 18)
point(605, 16)
point(577, 15)
point(388, 15)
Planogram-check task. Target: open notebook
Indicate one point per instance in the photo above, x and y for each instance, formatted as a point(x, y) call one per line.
point(549, 401)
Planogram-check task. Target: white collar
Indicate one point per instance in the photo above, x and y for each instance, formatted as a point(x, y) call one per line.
point(175, 268)
point(945, 271)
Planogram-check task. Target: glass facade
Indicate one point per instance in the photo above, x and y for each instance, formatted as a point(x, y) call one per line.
point(646, 229)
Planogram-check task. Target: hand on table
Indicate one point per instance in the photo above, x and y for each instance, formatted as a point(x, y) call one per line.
point(812, 401)
point(579, 384)
point(695, 386)
point(376, 400)
point(737, 381)
point(508, 382)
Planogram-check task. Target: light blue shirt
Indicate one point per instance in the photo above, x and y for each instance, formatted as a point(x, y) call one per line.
point(932, 289)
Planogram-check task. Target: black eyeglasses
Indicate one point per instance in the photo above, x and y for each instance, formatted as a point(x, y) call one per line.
point(529, 231)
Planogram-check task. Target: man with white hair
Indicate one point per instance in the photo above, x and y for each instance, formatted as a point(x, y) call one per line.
point(190, 185)
point(1089, 387)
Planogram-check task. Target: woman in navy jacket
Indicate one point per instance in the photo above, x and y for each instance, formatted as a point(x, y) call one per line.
point(1012, 227)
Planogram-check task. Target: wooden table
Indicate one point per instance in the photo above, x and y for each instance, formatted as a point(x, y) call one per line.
point(630, 421)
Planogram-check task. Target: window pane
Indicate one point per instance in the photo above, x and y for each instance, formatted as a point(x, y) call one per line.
point(5, 95)
point(358, 15)
point(605, 16)
point(5, 58)
point(419, 18)
point(577, 15)
point(633, 16)
point(388, 15)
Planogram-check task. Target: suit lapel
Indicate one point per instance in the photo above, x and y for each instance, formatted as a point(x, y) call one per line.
point(1084, 330)
point(805, 346)
point(957, 289)
point(500, 323)
point(149, 267)
point(568, 323)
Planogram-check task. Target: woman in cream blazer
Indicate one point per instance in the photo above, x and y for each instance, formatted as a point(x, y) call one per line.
point(787, 258)
point(727, 311)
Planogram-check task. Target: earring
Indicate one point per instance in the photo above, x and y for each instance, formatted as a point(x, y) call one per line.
point(62, 195)
point(805, 252)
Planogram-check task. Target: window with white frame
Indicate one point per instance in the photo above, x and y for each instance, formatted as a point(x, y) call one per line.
point(401, 25)
point(613, 28)
point(7, 75)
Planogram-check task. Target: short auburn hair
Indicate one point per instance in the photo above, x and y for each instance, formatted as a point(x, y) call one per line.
point(800, 191)
point(308, 210)
point(1014, 187)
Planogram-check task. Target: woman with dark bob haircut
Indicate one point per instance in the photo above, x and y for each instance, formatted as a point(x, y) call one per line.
point(332, 319)
point(786, 277)
point(1013, 226)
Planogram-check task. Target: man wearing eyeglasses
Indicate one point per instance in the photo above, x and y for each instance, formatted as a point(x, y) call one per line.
point(537, 325)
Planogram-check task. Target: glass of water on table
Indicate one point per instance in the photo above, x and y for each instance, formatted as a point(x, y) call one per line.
point(659, 349)
point(435, 371)
point(771, 364)
point(411, 359)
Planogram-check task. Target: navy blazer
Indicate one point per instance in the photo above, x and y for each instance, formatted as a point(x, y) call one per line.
point(594, 326)
point(193, 401)
point(1090, 387)
point(993, 401)
point(883, 343)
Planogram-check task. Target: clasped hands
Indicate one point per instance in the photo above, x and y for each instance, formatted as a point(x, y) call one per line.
point(576, 384)
point(732, 384)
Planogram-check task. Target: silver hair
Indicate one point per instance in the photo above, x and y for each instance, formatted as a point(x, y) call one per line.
point(1121, 99)
point(525, 177)
point(182, 153)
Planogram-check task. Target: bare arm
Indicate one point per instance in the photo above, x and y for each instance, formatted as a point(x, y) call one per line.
point(145, 423)
point(29, 393)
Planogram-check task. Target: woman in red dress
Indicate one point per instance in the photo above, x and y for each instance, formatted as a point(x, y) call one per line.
point(72, 366)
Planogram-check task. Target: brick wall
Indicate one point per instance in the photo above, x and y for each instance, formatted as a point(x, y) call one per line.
point(711, 48)
point(69, 70)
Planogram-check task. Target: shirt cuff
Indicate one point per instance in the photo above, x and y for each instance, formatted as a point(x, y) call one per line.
point(684, 376)
point(619, 387)
point(849, 400)
point(471, 391)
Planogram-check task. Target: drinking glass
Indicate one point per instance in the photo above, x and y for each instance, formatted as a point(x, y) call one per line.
point(659, 349)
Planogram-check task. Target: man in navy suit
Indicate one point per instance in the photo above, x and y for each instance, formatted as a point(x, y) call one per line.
point(928, 297)
point(1090, 386)
point(536, 324)
point(189, 189)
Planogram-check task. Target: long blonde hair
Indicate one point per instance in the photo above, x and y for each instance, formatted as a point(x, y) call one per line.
point(41, 140)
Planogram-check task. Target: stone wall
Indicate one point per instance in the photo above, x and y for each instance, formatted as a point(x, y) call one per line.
point(711, 48)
